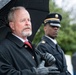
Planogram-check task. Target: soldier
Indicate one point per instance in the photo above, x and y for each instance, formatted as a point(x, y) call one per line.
point(49, 43)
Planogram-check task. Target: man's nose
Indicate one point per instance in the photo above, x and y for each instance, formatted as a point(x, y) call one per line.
point(27, 22)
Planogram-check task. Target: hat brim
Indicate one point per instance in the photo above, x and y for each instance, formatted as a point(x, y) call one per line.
point(55, 24)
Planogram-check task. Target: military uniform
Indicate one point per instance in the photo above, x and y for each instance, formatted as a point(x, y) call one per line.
point(46, 45)
point(48, 42)
point(17, 58)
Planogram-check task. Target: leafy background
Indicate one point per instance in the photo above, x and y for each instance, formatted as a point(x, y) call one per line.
point(67, 34)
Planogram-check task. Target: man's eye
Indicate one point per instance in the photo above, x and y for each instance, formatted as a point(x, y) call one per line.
point(29, 19)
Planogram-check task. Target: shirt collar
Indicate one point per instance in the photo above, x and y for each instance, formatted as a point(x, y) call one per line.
point(53, 40)
point(20, 38)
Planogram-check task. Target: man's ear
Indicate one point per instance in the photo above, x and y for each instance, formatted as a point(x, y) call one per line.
point(44, 28)
point(11, 24)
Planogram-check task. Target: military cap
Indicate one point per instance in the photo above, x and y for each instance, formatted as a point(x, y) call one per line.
point(53, 19)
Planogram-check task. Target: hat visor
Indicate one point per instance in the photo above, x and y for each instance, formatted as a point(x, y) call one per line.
point(55, 24)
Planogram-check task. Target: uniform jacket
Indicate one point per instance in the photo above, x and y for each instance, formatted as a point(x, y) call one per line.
point(17, 58)
point(46, 45)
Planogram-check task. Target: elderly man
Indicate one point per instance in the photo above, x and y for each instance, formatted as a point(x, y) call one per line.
point(17, 54)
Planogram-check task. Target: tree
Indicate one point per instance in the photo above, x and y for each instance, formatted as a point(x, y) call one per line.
point(66, 37)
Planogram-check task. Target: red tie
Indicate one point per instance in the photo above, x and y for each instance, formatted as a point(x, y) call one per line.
point(27, 43)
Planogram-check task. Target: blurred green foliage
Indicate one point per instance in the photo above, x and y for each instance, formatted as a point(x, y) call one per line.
point(67, 34)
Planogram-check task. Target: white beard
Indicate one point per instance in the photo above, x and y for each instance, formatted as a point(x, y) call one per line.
point(27, 33)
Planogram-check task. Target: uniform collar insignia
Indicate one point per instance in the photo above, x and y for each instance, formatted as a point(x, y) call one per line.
point(43, 41)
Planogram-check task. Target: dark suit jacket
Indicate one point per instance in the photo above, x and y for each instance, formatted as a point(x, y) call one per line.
point(46, 45)
point(17, 58)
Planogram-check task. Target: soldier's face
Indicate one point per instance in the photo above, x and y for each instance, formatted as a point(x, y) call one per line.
point(51, 31)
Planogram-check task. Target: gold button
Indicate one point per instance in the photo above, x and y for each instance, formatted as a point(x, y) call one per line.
point(33, 57)
point(26, 46)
